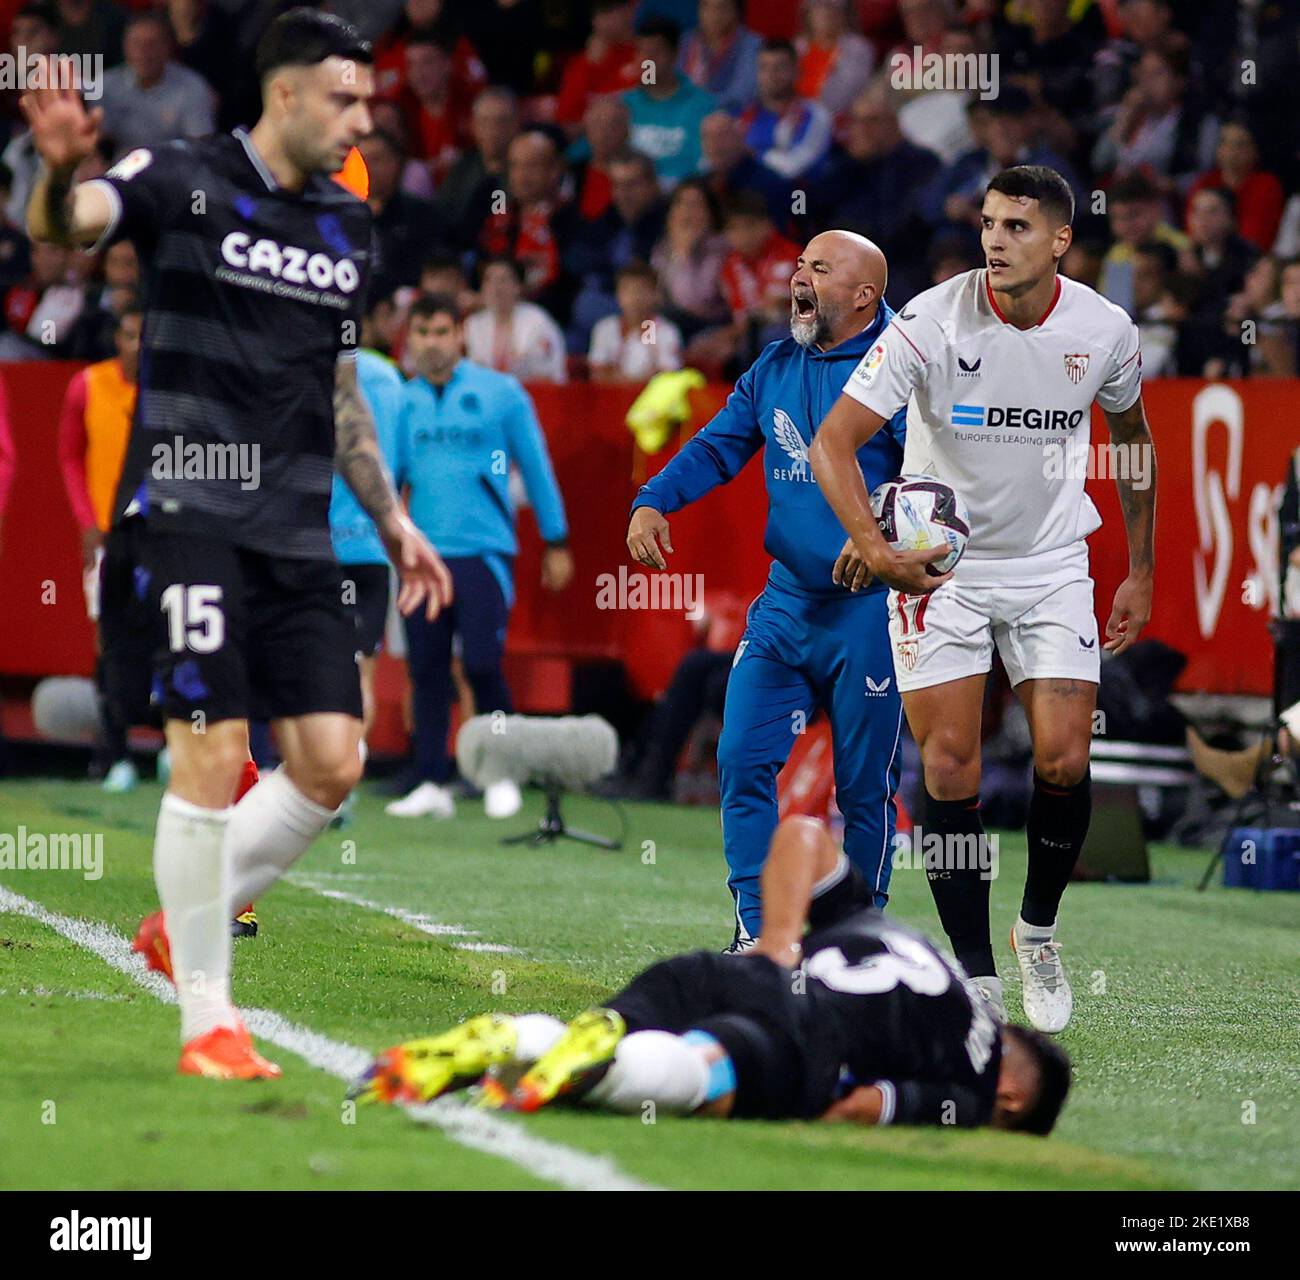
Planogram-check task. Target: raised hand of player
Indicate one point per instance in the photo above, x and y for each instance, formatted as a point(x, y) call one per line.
point(1129, 614)
point(424, 578)
point(645, 532)
point(907, 571)
point(63, 131)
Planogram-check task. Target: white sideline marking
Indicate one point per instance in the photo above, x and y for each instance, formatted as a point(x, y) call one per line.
point(479, 1130)
point(416, 919)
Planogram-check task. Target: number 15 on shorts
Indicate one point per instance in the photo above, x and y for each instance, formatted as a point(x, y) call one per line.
point(194, 618)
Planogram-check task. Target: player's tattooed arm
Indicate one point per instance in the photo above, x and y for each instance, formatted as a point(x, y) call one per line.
point(1135, 471)
point(424, 578)
point(356, 447)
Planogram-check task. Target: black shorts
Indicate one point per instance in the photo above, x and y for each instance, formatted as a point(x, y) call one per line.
point(786, 1066)
point(247, 635)
point(130, 629)
point(365, 590)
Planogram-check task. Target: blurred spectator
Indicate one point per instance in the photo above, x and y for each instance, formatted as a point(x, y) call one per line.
point(1083, 261)
point(1216, 263)
point(431, 19)
point(755, 284)
point(40, 312)
point(729, 169)
point(1155, 129)
point(207, 41)
point(949, 256)
point(1144, 24)
point(510, 334)
point(626, 232)
point(387, 117)
point(1272, 354)
point(15, 255)
point(94, 335)
point(152, 97)
point(689, 259)
point(835, 61)
point(465, 197)
point(536, 222)
point(605, 127)
point(1052, 54)
point(91, 27)
point(789, 134)
point(437, 118)
point(638, 342)
point(1279, 333)
point(1155, 309)
point(511, 37)
point(721, 55)
point(1005, 129)
point(666, 112)
point(443, 274)
point(408, 230)
point(607, 64)
point(1137, 214)
point(1258, 195)
point(871, 185)
point(935, 118)
point(924, 23)
point(34, 33)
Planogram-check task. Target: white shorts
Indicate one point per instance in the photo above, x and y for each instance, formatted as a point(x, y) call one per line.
point(1037, 610)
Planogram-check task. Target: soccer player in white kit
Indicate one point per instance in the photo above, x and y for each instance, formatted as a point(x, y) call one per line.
point(999, 368)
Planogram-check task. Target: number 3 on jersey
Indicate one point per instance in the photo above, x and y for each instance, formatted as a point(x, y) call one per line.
point(194, 618)
point(906, 961)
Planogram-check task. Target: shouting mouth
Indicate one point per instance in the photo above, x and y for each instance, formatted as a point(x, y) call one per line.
point(805, 306)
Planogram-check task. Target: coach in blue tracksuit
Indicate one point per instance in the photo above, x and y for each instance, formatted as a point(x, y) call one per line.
point(462, 428)
point(808, 642)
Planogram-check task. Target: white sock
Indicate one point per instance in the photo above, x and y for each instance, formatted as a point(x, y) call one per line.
point(192, 875)
point(270, 829)
point(535, 1033)
point(653, 1066)
point(1033, 934)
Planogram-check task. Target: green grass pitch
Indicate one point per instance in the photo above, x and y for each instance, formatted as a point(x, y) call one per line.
point(1186, 1035)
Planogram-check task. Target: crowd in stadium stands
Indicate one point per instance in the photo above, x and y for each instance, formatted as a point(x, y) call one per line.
point(613, 188)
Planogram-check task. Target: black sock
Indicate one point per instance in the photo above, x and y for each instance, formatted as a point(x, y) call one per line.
point(961, 893)
point(1057, 826)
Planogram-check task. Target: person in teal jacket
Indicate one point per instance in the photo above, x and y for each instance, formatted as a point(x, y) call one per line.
point(462, 427)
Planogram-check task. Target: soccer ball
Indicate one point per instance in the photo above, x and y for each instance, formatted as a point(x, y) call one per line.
point(917, 513)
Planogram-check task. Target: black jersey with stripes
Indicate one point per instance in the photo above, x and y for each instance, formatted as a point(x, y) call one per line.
point(252, 293)
point(893, 1011)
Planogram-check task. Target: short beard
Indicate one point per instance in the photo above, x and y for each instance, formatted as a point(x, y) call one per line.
point(810, 333)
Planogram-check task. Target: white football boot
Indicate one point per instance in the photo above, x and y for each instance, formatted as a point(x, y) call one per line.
point(1045, 988)
point(990, 991)
point(428, 800)
point(502, 799)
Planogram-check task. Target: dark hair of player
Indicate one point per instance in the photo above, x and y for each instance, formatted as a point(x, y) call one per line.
point(303, 37)
point(1038, 182)
point(428, 305)
point(1054, 1076)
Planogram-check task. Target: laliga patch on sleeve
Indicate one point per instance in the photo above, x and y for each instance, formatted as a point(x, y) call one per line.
point(871, 365)
point(131, 164)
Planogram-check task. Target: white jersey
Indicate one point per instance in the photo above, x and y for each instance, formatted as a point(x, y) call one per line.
point(1004, 414)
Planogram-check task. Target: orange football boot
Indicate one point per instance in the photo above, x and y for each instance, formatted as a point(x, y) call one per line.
point(225, 1053)
point(151, 942)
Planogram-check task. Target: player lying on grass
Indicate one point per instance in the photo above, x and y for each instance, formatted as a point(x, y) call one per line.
point(838, 1013)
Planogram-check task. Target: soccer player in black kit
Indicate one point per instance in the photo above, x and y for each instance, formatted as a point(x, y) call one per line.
point(256, 273)
point(838, 1013)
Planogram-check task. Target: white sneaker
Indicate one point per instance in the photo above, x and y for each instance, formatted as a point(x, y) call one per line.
point(121, 777)
point(1045, 988)
point(502, 799)
point(428, 800)
point(990, 991)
